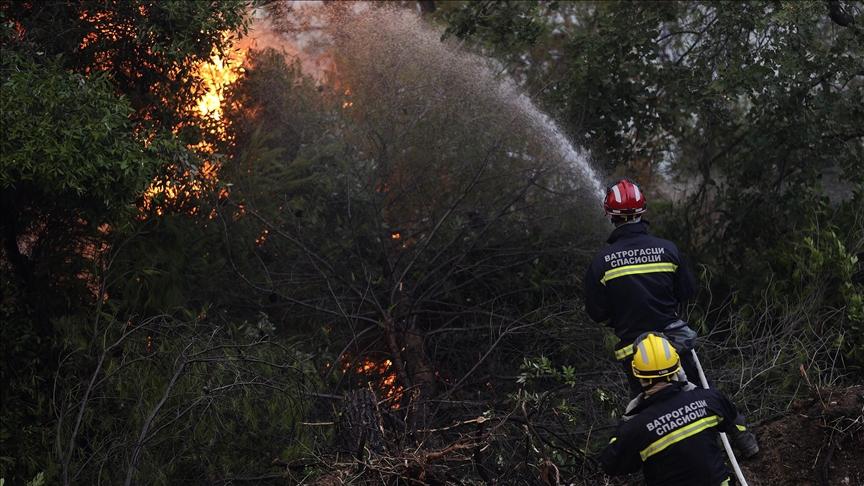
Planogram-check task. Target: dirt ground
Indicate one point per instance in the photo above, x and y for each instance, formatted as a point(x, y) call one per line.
point(819, 443)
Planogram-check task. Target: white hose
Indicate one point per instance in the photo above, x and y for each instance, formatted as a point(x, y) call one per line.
point(723, 437)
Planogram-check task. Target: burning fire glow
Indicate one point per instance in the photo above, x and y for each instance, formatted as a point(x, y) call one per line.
point(381, 375)
point(347, 103)
point(216, 75)
point(262, 237)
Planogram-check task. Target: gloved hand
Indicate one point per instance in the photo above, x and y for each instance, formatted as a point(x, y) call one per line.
point(746, 443)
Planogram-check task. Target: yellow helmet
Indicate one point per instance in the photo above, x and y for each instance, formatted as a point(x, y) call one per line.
point(655, 357)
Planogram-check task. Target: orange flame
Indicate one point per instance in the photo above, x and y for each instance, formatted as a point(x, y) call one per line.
point(262, 237)
point(381, 375)
point(216, 75)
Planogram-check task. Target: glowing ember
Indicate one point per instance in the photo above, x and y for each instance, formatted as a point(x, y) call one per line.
point(347, 103)
point(240, 212)
point(165, 194)
point(262, 237)
point(93, 251)
point(381, 375)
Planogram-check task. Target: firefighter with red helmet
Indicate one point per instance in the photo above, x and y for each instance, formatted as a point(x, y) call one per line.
point(639, 282)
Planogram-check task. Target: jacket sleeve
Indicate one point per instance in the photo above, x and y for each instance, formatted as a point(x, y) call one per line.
point(732, 420)
point(620, 457)
point(595, 295)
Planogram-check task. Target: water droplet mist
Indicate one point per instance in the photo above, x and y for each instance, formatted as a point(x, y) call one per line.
point(419, 96)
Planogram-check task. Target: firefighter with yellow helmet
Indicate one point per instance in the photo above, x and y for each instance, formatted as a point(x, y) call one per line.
point(670, 431)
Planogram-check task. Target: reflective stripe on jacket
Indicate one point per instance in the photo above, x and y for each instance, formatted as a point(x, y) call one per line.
point(637, 282)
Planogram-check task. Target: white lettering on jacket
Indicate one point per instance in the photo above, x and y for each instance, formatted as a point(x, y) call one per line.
point(678, 417)
point(634, 257)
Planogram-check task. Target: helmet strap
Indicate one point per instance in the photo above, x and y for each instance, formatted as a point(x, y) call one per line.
point(618, 220)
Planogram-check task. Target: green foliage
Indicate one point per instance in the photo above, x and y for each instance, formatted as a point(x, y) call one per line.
point(175, 264)
point(504, 26)
point(22, 347)
point(212, 399)
point(90, 94)
point(68, 139)
point(567, 394)
point(542, 367)
point(748, 104)
point(824, 255)
point(752, 109)
point(823, 260)
point(148, 49)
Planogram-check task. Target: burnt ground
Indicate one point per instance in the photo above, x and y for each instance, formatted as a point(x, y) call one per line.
point(820, 442)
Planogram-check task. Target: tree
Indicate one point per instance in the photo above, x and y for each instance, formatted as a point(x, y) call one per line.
point(208, 394)
point(91, 92)
point(745, 116)
point(416, 202)
point(86, 141)
point(62, 151)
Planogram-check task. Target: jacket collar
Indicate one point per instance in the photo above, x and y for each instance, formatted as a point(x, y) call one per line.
point(628, 229)
point(670, 391)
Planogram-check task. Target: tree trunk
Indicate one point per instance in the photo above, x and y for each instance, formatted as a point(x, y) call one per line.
point(360, 427)
point(422, 375)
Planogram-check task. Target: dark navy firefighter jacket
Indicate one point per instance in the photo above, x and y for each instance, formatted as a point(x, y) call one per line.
point(637, 282)
point(673, 437)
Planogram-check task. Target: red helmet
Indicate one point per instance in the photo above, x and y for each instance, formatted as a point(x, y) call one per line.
point(624, 199)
